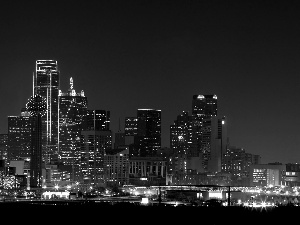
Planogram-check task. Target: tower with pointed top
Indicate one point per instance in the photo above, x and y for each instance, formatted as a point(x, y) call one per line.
point(46, 84)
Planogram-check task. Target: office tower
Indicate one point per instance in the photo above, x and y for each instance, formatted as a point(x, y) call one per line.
point(3, 147)
point(214, 143)
point(116, 165)
point(97, 120)
point(236, 162)
point(148, 138)
point(130, 130)
point(204, 109)
point(46, 84)
point(265, 175)
point(204, 106)
point(119, 139)
point(19, 136)
point(181, 142)
point(94, 143)
point(37, 107)
point(181, 134)
point(96, 138)
point(130, 126)
point(72, 115)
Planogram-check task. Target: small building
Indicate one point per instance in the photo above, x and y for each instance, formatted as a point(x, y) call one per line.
point(267, 174)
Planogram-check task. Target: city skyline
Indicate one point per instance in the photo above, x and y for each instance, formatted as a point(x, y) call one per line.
point(158, 55)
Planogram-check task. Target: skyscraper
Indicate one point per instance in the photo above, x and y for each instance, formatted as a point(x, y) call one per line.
point(97, 120)
point(181, 134)
point(130, 130)
point(19, 136)
point(96, 138)
point(148, 136)
point(210, 131)
point(37, 107)
point(72, 115)
point(46, 84)
point(214, 143)
point(94, 144)
point(3, 147)
point(205, 106)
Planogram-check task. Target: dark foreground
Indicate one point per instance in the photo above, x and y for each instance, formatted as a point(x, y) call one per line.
point(129, 213)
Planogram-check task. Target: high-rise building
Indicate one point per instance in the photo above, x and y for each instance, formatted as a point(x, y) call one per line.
point(214, 143)
point(37, 107)
point(148, 138)
point(72, 115)
point(130, 126)
point(94, 143)
point(46, 84)
point(236, 162)
point(130, 131)
point(208, 131)
point(96, 138)
point(19, 136)
point(205, 106)
point(3, 147)
point(119, 141)
point(116, 166)
point(181, 134)
point(97, 120)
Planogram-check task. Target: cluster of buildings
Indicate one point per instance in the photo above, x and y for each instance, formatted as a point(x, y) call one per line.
point(58, 138)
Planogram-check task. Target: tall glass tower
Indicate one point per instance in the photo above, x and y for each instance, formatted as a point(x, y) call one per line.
point(204, 113)
point(37, 107)
point(205, 106)
point(148, 136)
point(72, 114)
point(19, 136)
point(46, 84)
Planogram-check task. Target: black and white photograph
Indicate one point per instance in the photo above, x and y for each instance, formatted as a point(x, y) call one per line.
point(150, 112)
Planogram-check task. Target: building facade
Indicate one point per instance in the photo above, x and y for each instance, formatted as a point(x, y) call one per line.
point(116, 167)
point(72, 116)
point(37, 107)
point(94, 144)
point(148, 137)
point(147, 171)
point(19, 136)
point(265, 175)
point(236, 162)
point(97, 120)
point(3, 147)
point(46, 84)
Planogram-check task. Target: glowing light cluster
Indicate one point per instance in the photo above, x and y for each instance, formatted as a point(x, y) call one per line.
point(36, 105)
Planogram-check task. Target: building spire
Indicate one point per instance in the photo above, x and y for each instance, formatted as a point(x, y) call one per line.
point(71, 83)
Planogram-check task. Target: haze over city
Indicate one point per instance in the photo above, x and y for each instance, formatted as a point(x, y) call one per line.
point(151, 54)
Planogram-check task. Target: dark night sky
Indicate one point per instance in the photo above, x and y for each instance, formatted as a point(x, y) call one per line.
point(158, 54)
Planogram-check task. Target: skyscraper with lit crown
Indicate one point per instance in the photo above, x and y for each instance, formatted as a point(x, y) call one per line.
point(46, 84)
point(72, 115)
point(209, 131)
